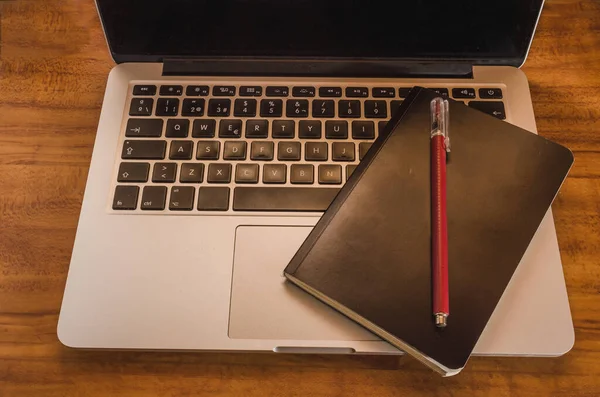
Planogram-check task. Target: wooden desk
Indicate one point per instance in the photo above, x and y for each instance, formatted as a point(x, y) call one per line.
point(54, 65)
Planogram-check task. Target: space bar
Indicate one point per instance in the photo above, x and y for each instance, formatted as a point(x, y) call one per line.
point(282, 198)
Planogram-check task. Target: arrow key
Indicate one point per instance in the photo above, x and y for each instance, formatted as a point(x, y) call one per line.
point(164, 172)
point(493, 108)
point(182, 198)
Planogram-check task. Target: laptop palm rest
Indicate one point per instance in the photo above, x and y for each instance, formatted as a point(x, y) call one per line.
point(265, 306)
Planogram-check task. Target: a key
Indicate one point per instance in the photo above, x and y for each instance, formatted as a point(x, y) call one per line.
point(191, 173)
point(303, 92)
point(277, 91)
point(171, 90)
point(204, 128)
point(208, 150)
point(224, 90)
point(181, 150)
point(309, 129)
point(376, 109)
point(167, 106)
point(441, 91)
point(463, 92)
point(403, 92)
point(219, 107)
point(133, 172)
point(349, 170)
point(251, 90)
point(262, 150)
point(302, 174)
point(363, 148)
point(144, 90)
point(246, 173)
point(144, 150)
point(274, 173)
point(234, 150)
point(363, 130)
point(336, 129)
point(147, 128)
point(125, 198)
point(394, 106)
point(271, 108)
point(490, 93)
point(141, 107)
point(196, 90)
point(219, 173)
point(182, 198)
point(154, 198)
point(297, 108)
point(494, 108)
point(230, 128)
point(284, 129)
point(164, 172)
point(193, 107)
point(257, 128)
point(349, 109)
point(213, 198)
point(244, 108)
point(323, 108)
point(330, 92)
point(282, 198)
point(289, 151)
point(342, 151)
point(330, 174)
point(315, 151)
point(384, 92)
point(177, 128)
point(357, 92)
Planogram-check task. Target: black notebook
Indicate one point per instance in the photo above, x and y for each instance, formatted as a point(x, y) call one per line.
point(369, 256)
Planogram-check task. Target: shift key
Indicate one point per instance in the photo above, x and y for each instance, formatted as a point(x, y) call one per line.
point(144, 149)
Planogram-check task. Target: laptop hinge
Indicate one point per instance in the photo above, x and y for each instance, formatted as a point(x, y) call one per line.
point(314, 68)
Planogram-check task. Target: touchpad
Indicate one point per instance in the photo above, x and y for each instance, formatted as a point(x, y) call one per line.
point(266, 306)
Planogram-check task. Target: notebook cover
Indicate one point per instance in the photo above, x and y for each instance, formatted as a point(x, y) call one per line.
point(370, 252)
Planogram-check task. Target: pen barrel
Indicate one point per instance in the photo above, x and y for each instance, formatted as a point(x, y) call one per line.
point(439, 226)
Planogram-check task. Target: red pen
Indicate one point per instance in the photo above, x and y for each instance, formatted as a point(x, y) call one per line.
point(440, 146)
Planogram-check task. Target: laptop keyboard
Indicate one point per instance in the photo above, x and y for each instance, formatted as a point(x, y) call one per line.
point(234, 148)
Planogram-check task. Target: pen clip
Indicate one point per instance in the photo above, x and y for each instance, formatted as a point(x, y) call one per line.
point(439, 120)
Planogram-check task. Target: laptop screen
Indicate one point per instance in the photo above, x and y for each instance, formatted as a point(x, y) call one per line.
point(483, 32)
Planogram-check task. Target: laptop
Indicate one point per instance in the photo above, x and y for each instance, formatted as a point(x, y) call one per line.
point(226, 130)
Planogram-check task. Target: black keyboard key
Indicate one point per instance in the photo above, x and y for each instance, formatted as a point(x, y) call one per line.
point(349, 109)
point(177, 128)
point(274, 173)
point(224, 90)
point(171, 90)
point(463, 92)
point(284, 129)
point(394, 106)
point(288, 151)
point(141, 107)
point(495, 108)
point(144, 90)
point(297, 108)
point(403, 92)
point(144, 128)
point(271, 108)
point(376, 109)
point(167, 106)
point(277, 91)
point(330, 174)
point(323, 108)
point(255, 198)
point(302, 174)
point(357, 92)
point(330, 92)
point(336, 129)
point(490, 93)
point(125, 198)
point(208, 150)
point(204, 128)
point(133, 172)
point(193, 107)
point(244, 108)
point(181, 150)
point(315, 151)
point(219, 107)
point(219, 173)
point(257, 128)
point(230, 129)
point(303, 92)
point(144, 150)
point(363, 148)
point(363, 130)
point(235, 150)
point(349, 170)
point(164, 172)
point(381, 126)
point(262, 150)
point(182, 198)
point(191, 173)
point(309, 129)
point(251, 90)
point(213, 198)
point(441, 91)
point(246, 173)
point(154, 198)
point(384, 92)
point(197, 90)
point(343, 151)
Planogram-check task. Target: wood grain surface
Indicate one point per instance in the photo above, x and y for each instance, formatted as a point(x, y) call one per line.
point(53, 69)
